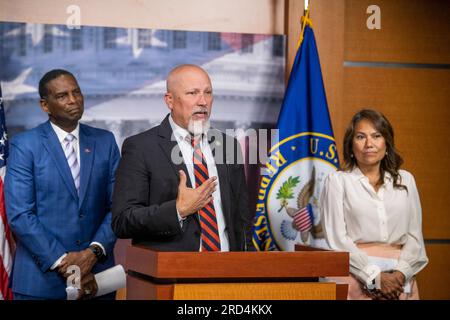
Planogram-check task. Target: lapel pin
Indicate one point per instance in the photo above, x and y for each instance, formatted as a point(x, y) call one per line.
point(87, 150)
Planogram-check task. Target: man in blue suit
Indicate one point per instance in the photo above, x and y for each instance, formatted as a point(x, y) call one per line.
point(58, 190)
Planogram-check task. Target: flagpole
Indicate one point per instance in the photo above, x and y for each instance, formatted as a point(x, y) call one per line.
point(304, 20)
point(298, 161)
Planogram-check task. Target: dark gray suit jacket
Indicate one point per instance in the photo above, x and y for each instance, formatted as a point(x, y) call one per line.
point(146, 189)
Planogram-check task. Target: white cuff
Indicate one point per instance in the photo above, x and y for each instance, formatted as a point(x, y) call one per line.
point(373, 276)
point(57, 262)
point(404, 268)
point(180, 218)
point(100, 245)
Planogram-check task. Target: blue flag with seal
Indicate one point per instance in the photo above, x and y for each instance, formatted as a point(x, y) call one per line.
point(287, 210)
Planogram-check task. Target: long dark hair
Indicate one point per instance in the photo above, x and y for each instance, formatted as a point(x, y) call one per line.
point(391, 162)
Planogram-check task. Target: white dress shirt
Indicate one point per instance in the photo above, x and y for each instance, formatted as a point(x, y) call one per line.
point(353, 212)
point(61, 134)
point(183, 138)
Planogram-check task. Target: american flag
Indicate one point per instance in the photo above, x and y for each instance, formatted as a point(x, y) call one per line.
point(6, 241)
point(303, 220)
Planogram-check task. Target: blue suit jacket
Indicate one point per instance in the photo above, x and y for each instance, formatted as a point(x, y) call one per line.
point(45, 212)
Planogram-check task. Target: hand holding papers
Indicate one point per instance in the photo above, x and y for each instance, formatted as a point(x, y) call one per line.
point(107, 281)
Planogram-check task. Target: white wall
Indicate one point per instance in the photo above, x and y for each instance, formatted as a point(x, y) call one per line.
point(243, 16)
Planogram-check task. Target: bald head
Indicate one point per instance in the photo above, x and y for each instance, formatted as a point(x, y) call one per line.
point(189, 96)
point(177, 75)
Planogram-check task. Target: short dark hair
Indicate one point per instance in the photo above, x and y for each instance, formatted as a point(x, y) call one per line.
point(49, 76)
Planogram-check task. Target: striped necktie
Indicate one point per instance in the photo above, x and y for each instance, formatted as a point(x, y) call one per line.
point(207, 214)
point(71, 157)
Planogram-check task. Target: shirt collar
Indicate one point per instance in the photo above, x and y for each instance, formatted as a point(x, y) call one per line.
point(387, 177)
point(61, 134)
point(181, 133)
point(357, 174)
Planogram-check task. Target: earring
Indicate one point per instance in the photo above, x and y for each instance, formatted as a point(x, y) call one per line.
point(386, 153)
point(351, 156)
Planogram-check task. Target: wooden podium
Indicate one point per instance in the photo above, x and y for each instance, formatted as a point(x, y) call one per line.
point(156, 275)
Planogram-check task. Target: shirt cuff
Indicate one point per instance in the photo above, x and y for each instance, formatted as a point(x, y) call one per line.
point(369, 276)
point(100, 245)
point(57, 262)
point(404, 268)
point(180, 218)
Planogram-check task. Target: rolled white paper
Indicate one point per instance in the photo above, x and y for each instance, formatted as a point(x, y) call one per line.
point(110, 280)
point(72, 293)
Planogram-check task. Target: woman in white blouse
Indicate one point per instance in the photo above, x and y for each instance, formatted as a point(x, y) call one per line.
point(372, 209)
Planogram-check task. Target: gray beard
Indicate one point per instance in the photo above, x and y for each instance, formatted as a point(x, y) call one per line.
point(197, 128)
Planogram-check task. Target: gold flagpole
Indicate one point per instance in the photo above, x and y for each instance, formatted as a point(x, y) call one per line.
point(305, 20)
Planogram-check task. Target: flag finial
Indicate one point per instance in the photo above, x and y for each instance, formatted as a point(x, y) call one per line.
point(305, 21)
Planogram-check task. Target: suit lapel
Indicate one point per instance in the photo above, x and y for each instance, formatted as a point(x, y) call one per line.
point(168, 146)
point(222, 172)
point(52, 145)
point(87, 152)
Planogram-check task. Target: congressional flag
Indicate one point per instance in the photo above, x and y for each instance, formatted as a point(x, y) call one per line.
point(6, 241)
point(287, 209)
